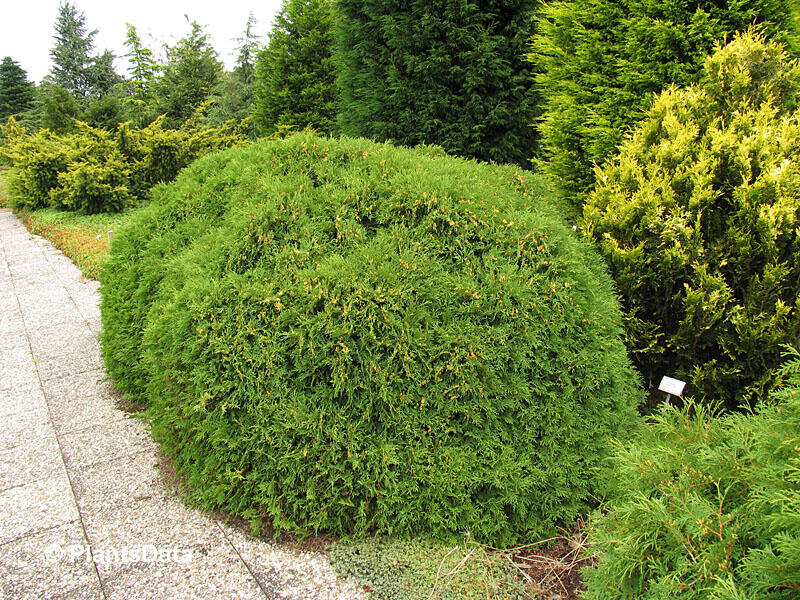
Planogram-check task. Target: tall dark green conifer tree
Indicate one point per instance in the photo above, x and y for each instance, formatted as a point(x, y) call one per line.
point(71, 54)
point(190, 76)
point(295, 75)
point(16, 92)
point(447, 72)
point(86, 76)
point(600, 63)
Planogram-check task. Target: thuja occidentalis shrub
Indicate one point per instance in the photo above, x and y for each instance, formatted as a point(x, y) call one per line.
point(341, 336)
point(698, 219)
point(705, 507)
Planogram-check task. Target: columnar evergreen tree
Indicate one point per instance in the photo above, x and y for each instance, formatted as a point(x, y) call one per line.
point(697, 218)
point(448, 72)
point(295, 73)
point(599, 63)
point(189, 77)
point(16, 92)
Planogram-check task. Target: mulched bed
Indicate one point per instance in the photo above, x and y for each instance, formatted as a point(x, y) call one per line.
point(551, 568)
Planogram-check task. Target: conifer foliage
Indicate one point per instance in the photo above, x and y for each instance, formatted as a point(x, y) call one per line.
point(335, 335)
point(705, 507)
point(75, 68)
point(95, 170)
point(698, 220)
point(599, 62)
point(192, 71)
point(72, 51)
point(16, 92)
point(446, 72)
point(295, 80)
point(144, 68)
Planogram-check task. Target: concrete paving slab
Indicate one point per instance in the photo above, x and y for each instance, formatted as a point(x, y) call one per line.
point(46, 565)
point(31, 295)
point(86, 290)
point(25, 427)
point(48, 313)
point(6, 285)
point(56, 258)
point(89, 308)
point(8, 300)
point(80, 357)
point(24, 397)
point(8, 297)
point(18, 350)
point(53, 340)
point(35, 507)
point(11, 324)
point(67, 317)
point(29, 281)
point(29, 462)
point(222, 575)
point(163, 523)
point(89, 592)
point(16, 375)
point(294, 574)
point(22, 260)
point(65, 271)
point(94, 322)
point(36, 317)
point(100, 444)
point(127, 480)
point(81, 401)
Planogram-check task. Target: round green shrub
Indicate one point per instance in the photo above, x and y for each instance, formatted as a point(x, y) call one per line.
point(36, 160)
point(698, 219)
point(704, 507)
point(341, 336)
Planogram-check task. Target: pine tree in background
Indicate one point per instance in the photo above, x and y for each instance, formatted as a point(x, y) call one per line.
point(101, 76)
point(16, 92)
point(138, 100)
point(234, 94)
point(295, 74)
point(601, 61)
point(72, 51)
point(249, 47)
point(75, 68)
point(190, 75)
point(447, 72)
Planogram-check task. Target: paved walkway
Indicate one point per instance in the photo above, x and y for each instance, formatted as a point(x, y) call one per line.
point(83, 510)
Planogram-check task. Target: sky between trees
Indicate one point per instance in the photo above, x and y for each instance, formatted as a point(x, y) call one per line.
point(26, 34)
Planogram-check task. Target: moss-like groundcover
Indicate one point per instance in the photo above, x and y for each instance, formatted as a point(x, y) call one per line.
point(340, 336)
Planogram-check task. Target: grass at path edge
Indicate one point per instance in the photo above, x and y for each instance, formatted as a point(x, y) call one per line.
point(82, 238)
